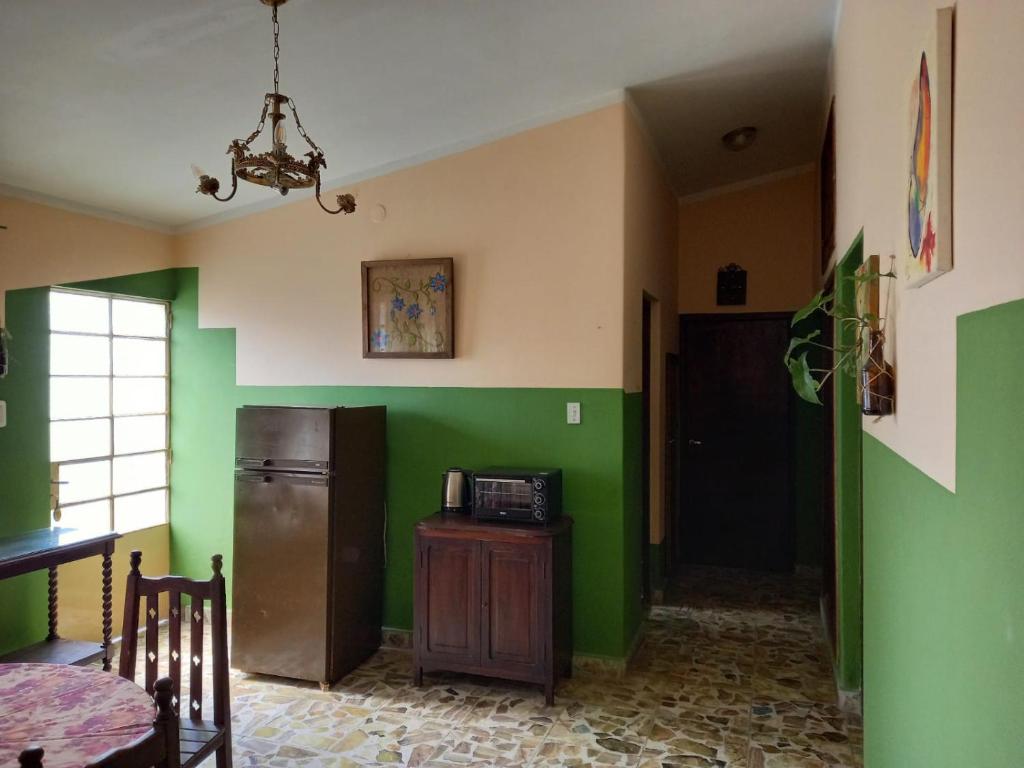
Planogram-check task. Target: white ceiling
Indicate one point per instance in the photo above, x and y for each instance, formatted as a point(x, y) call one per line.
point(107, 102)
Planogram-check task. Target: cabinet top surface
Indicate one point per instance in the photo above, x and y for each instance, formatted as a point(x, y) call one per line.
point(440, 521)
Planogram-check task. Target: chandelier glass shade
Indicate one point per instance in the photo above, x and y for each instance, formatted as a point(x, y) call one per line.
point(276, 168)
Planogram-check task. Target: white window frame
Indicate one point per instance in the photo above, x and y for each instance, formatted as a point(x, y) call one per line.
point(110, 377)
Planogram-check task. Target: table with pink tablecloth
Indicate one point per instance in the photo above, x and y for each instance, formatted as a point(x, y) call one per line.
point(74, 713)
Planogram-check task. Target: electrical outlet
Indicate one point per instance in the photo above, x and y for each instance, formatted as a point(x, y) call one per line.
point(572, 413)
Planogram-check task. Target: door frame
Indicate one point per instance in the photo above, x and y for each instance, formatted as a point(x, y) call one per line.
point(648, 303)
point(687, 323)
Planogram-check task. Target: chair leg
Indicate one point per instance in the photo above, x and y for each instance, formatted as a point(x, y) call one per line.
point(224, 752)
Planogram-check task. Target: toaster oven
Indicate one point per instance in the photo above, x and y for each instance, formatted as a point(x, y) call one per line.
point(517, 495)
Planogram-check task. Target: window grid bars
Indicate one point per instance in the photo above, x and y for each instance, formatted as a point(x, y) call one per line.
point(166, 413)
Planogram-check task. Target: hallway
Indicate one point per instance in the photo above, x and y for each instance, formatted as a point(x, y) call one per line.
point(744, 672)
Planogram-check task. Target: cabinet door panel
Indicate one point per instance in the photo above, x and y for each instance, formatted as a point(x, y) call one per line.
point(512, 604)
point(449, 598)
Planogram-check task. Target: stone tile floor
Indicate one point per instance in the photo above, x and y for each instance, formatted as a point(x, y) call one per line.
point(732, 674)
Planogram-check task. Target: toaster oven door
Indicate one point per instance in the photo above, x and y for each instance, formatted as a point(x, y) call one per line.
point(503, 497)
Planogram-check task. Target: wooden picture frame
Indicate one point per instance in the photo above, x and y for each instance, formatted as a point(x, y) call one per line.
point(409, 308)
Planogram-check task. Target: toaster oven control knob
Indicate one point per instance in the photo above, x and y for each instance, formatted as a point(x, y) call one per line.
point(538, 484)
point(538, 499)
point(538, 514)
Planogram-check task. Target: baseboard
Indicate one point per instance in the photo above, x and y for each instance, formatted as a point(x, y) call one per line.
point(586, 664)
point(396, 639)
point(849, 701)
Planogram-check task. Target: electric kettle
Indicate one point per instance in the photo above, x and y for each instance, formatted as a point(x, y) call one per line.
point(456, 495)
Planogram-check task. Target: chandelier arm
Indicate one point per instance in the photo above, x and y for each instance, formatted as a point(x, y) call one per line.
point(346, 203)
point(234, 186)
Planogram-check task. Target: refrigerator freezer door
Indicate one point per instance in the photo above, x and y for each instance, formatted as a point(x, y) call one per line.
point(280, 600)
point(283, 438)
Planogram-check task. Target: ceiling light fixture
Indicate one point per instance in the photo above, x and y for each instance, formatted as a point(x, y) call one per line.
point(277, 168)
point(739, 139)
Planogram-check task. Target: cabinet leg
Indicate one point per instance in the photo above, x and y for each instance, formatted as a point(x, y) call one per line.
point(549, 693)
point(51, 614)
point(417, 677)
point(108, 618)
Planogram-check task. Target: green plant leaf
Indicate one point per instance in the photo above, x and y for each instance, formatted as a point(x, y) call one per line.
point(813, 306)
point(797, 341)
point(804, 384)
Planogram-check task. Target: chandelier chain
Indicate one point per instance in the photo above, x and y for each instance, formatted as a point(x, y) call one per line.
point(259, 128)
point(300, 129)
point(277, 49)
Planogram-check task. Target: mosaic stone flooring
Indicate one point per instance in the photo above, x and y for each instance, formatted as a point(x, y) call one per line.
point(731, 675)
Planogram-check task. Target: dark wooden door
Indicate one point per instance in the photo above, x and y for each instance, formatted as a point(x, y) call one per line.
point(736, 428)
point(512, 591)
point(448, 597)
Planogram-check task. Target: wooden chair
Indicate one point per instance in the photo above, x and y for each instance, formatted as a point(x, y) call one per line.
point(156, 749)
point(199, 737)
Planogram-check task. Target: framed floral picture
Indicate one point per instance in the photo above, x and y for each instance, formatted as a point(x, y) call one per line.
point(408, 308)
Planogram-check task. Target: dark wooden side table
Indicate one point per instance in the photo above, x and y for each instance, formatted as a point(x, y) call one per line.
point(48, 548)
point(493, 599)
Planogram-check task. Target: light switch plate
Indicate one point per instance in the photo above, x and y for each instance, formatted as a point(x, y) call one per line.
point(572, 413)
point(3, 413)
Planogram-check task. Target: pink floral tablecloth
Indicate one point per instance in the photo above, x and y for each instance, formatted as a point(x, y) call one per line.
point(74, 713)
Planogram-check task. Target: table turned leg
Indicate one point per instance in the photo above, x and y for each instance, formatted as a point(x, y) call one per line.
point(108, 620)
point(52, 605)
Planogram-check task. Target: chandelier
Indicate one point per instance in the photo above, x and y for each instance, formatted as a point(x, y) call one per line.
point(277, 168)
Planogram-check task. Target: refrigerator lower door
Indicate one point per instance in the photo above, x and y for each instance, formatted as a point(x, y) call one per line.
point(280, 575)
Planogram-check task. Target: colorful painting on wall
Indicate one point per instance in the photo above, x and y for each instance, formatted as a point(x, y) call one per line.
point(408, 308)
point(929, 191)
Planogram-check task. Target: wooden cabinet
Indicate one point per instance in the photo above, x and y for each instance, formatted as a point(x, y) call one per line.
point(494, 599)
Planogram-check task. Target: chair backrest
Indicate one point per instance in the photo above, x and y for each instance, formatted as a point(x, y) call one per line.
point(159, 748)
point(194, 615)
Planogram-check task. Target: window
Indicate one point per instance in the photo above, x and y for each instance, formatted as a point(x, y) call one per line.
point(109, 370)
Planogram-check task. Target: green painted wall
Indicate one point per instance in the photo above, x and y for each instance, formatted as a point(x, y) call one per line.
point(630, 535)
point(429, 429)
point(24, 460)
point(944, 574)
point(25, 442)
point(848, 439)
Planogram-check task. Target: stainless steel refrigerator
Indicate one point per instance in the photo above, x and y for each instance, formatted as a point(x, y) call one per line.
point(308, 566)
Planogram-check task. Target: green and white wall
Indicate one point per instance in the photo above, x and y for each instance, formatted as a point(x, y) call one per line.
point(267, 310)
point(943, 574)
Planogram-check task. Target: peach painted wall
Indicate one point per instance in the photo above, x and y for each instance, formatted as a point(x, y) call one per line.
point(43, 245)
point(650, 267)
point(875, 58)
point(769, 229)
point(534, 222)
